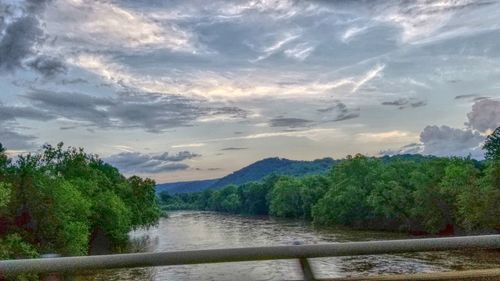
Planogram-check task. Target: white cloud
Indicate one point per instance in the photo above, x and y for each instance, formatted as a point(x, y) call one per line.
point(352, 32)
point(397, 136)
point(485, 115)
point(105, 25)
point(370, 75)
point(188, 145)
point(214, 86)
point(276, 46)
point(300, 52)
point(424, 21)
point(312, 134)
point(446, 141)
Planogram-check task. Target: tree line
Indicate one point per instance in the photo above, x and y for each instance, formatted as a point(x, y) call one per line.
point(419, 194)
point(55, 200)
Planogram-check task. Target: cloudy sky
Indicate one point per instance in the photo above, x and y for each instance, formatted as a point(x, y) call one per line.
point(181, 90)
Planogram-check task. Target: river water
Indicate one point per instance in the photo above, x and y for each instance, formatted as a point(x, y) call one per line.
point(193, 230)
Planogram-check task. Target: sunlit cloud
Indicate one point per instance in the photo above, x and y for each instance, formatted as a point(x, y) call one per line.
point(106, 25)
point(395, 135)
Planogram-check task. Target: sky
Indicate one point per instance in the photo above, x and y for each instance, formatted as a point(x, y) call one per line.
point(187, 90)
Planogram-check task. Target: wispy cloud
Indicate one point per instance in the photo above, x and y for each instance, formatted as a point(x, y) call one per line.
point(370, 75)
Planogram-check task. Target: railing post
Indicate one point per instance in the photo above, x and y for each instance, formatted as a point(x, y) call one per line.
point(306, 270)
point(305, 266)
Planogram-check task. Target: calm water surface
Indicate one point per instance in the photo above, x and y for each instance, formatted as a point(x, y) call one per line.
point(192, 230)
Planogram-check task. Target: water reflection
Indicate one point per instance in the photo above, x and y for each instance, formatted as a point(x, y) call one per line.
point(204, 230)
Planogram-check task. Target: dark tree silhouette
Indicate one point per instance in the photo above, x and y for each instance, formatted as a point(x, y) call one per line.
point(492, 145)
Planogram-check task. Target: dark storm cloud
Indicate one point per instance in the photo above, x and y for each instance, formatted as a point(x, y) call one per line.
point(9, 115)
point(73, 106)
point(398, 102)
point(340, 111)
point(485, 115)
point(403, 103)
point(135, 162)
point(214, 169)
point(11, 139)
point(21, 39)
point(289, 122)
point(233, 111)
point(47, 66)
point(12, 113)
point(459, 97)
point(18, 42)
point(73, 81)
point(233, 148)
point(180, 156)
point(152, 112)
point(418, 104)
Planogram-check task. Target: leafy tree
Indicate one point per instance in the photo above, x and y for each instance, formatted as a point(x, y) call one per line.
point(346, 201)
point(391, 196)
point(254, 198)
point(53, 200)
point(313, 188)
point(403, 193)
point(286, 198)
point(492, 145)
point(4, 194)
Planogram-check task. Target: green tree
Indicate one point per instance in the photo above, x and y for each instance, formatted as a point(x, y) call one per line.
point(5, 192)
point(313, 188)
point(391, 197)
point(53, 200)
point(492, 145)
point(254, 198)
point(346, 203)
point(286, 198)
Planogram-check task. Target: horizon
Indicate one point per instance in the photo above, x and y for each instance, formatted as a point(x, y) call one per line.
point(185, 91)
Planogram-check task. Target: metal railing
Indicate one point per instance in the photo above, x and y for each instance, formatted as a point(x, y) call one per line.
point(301, 252)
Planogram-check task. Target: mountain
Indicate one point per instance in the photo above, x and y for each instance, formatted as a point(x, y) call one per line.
point(280, 166)
point(185, 186)
point(253, 172)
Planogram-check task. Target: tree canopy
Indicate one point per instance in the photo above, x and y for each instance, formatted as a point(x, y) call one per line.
point(492, 145)
point(401, 193)
point(54, 200)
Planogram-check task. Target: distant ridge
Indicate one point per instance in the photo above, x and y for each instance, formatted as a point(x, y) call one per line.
point(185, 186)
point(254, 172)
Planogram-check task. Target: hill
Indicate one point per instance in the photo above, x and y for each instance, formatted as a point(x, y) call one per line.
point(185, 186)
point(253, 172)
point(280, 166)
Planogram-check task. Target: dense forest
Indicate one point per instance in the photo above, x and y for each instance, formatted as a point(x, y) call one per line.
point(403, 193)
point(55, 200)
point(254, 172)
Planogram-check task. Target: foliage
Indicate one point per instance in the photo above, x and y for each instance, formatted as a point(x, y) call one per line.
point(255, 172)
point(53, 200)
point(402, 193)
point(286, 200)
point(492, 145)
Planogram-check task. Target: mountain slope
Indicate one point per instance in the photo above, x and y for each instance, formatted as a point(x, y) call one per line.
point(280, 166)
point(185, 186)
point(253, 172)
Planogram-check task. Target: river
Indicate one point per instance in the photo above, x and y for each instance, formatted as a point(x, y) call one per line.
point(193, 230)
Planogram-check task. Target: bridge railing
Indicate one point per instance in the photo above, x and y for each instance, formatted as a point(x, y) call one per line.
point(301, 252)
